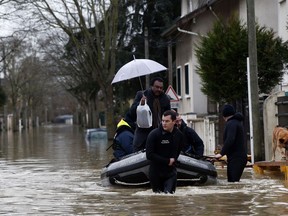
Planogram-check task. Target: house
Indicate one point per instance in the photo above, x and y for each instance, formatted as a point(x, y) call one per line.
point(197, 18)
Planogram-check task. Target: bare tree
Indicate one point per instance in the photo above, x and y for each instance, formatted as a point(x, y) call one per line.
point(31, 89)
point(14, 79)
point(91, 29)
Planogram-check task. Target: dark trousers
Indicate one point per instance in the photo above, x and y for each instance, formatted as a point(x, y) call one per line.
point(140, 137)
point(164, 182)
point(235, 168)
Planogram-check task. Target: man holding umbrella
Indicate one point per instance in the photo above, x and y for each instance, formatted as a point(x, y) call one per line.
point(158, 102)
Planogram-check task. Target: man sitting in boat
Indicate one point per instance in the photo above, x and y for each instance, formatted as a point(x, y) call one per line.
point(123, 140)
point(193, 144)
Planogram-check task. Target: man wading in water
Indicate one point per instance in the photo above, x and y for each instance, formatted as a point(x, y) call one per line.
point(163, 147)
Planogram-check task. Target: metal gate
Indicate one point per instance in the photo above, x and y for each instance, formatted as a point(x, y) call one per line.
point(282, 104)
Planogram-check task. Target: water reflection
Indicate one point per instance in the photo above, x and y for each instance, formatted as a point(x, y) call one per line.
point(54, 171)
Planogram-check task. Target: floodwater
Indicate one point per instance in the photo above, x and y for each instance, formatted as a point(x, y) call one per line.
point(53, 171)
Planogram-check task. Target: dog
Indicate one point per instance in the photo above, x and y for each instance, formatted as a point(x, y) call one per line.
point(280, 142)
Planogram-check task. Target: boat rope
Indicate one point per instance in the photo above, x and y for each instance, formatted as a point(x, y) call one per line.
point(196, 179)
point(144, 183)
point(130, 184)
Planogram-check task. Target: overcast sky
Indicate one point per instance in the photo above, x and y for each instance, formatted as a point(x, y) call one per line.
point(7, 26)
point(12, 20)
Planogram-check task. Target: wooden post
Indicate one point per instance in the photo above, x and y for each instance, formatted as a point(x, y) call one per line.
point(257, 134)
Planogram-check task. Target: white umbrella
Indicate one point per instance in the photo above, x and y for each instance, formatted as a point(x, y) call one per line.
point(137, 68)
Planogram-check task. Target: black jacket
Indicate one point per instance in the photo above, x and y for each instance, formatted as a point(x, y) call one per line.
point(234, 143)
point(164, 101)
point(161, 146)
point(193, 144)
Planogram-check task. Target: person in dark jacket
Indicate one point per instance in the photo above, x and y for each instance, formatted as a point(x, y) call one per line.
point(163, 147)
point(158, 102)
point(123, 140)
point(193, 144)
point(234, 145)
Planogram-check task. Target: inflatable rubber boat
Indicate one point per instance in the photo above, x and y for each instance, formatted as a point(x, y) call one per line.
point(133, 170)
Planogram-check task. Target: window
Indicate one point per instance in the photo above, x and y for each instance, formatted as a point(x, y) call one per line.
point(178, 79)
point(187, 79)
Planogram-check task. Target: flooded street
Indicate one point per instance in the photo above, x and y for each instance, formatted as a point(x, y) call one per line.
point(53, 171)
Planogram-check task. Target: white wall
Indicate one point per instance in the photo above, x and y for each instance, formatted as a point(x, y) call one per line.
point(195, 101)
point(206, 129)
point(283, 19)
point(266, 13)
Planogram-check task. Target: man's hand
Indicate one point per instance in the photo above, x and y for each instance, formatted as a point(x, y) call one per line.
point(172, 160)
point(218, 156)
point(143, 100)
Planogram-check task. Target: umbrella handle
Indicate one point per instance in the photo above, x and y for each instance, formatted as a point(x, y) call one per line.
point(139, 77)
point(141, 84)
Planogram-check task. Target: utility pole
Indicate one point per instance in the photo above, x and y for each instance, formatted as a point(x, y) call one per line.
point(170, 70)
point(257, 133)
point(146, 55)
point(4, 123)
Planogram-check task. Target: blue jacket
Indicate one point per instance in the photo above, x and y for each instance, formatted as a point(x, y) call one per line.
point(123, 142)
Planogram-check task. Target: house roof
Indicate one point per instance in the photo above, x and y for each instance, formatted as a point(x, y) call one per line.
point(187, 18)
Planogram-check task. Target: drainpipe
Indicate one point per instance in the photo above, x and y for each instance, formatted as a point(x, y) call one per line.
point(187, 32)
point(194, 33)
point(210, 8)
